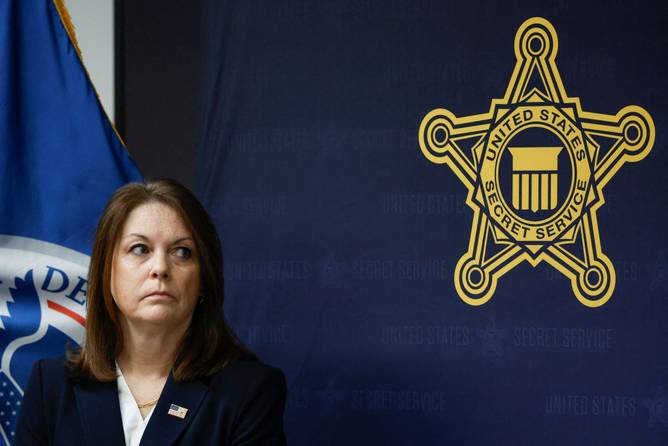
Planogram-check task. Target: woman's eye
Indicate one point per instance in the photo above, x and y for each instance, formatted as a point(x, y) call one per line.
point(138, 249)
point(183, 252)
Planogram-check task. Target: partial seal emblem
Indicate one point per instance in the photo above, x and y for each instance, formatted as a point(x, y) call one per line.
point(535, 170)
point(42, 310)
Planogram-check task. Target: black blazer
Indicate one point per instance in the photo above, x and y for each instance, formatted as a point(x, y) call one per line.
point(242, 404)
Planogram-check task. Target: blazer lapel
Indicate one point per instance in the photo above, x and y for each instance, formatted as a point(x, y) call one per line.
point(99, 412)
point(165, 428)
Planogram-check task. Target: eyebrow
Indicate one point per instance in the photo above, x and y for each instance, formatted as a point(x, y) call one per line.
point(142, 236)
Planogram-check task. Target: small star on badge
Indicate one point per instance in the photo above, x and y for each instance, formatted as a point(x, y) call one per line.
point(659, 273)
point(331, 271)
point(330, 399)
point(492, 338)
point(658, 408)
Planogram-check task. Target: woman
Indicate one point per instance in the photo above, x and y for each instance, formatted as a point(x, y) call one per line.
point(159, 364)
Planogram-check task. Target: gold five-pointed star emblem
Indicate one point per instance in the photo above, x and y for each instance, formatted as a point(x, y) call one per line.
point(535, 167)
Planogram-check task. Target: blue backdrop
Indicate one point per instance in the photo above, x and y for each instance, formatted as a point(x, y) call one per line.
point(341, 238)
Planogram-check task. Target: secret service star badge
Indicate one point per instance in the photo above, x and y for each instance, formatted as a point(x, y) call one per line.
point(535, 167)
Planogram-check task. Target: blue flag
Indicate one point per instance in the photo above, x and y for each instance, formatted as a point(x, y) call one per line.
point(60, 160)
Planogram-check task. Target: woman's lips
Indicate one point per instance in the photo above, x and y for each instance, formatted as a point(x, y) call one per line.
point(159, 295)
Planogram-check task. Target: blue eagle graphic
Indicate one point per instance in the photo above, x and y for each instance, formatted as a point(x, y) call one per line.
point(23, 339)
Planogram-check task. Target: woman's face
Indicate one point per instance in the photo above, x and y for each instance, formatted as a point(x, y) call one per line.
point(155, 272)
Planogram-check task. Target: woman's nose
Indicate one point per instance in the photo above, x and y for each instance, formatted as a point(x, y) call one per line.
point(160, 267)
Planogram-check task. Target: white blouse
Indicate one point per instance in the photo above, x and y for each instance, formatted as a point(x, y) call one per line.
point(133, 423)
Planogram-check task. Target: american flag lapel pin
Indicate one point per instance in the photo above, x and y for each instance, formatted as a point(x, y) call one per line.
point(177, 411)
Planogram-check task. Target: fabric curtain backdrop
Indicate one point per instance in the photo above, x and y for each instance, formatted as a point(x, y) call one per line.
point(341, 238)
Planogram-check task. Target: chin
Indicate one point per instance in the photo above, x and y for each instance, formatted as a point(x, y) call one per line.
point(162, 316)
point(158, 318)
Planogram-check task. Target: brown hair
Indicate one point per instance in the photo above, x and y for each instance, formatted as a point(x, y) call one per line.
point(209, 344)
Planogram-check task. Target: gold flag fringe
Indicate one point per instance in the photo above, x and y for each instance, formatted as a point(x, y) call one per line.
point(66, 20)
point(67, 23)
